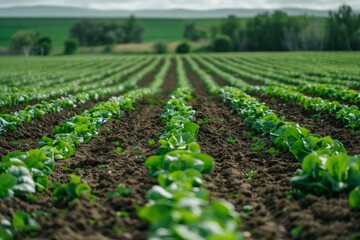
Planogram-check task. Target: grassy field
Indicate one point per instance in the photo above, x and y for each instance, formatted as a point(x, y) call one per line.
point(168, 30)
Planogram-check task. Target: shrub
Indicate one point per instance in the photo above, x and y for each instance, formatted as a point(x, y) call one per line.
point(160, 47)
point(71, 46)
point(183, 48)
point(222, 44)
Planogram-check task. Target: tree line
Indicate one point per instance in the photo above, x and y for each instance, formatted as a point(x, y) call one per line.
point(278, 31)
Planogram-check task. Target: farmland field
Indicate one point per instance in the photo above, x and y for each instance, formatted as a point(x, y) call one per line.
point(206, 146)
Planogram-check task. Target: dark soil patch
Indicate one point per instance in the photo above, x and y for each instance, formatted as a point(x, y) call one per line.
point(324, 125)
point(27, 136)
point(103, 169)
point(148, 78)
point(170, 78)
point(195, 81)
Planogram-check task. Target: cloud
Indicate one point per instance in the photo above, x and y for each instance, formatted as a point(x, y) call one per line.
point(195, 4)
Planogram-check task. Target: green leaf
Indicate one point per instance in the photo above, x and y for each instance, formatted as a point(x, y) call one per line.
point(354, 198)
point(191, 128)
point(82, 188)
point(7, 183)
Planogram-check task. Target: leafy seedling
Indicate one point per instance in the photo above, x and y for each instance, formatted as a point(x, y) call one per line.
point(273, 151)
point(101, 166)
point(205, 120)
point(246, 211)
point(136, 150)
point(23, 225)
point(250, 174)
point(122, 214)
point(247, 133)
point(118, 150)
point(121, 191)
point(151, 142)
point(295, 232)
point(32, 197)
point(65, 169)
point(116, 143)
point(314, 116)
point(72, 191)
point(234, 195)
point(232, 140)
point(259, 144)
point(15, 143)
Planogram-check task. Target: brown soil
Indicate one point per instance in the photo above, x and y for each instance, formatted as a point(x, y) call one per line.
point(148, 78)
point(170, 78)
point(324, 125)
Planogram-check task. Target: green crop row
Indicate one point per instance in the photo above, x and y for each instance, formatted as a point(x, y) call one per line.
point(25, 172)
point(107, 78)
point(350, 115)
point(179, 207)
point(13, 120)
point(326, 166)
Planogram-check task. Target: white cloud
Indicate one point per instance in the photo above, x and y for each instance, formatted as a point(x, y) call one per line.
point(196, 4)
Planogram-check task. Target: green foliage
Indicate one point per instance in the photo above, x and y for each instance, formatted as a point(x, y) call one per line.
point(151, 142)
point(193, 33)
point(70, 46)
point(160, 47)
point(295, 232)
point(72, 191)
point(23, 225)
point(222, 44)
point(96, 33)
point(183, 48)
point(259, 144)
point(230, 29)
point(121, 191)
point(326, 167)
point(343, 30)
point(23, 172)
point(338, 173)
point(43, 46)
point(354, 198)
point(179, 160)
point(23, 39)
point(179, 207)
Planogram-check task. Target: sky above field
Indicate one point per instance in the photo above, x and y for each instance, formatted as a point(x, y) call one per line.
point(192, 4)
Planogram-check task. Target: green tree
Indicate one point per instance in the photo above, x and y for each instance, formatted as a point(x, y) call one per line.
point(342, 29)
point(231, 28)
point(193, 33)
point(24, 41)
point(160, 47)
point(43, 46)
point(133, 32)
point(223, 44)
point(183, 48)
point(70, 46)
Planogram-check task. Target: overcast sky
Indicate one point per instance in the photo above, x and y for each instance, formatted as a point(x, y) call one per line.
point(193, 4)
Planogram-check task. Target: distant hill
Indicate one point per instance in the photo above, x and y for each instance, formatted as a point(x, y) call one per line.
point(72, 12)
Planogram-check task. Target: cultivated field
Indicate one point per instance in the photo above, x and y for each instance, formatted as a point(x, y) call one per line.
point(212, 146)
